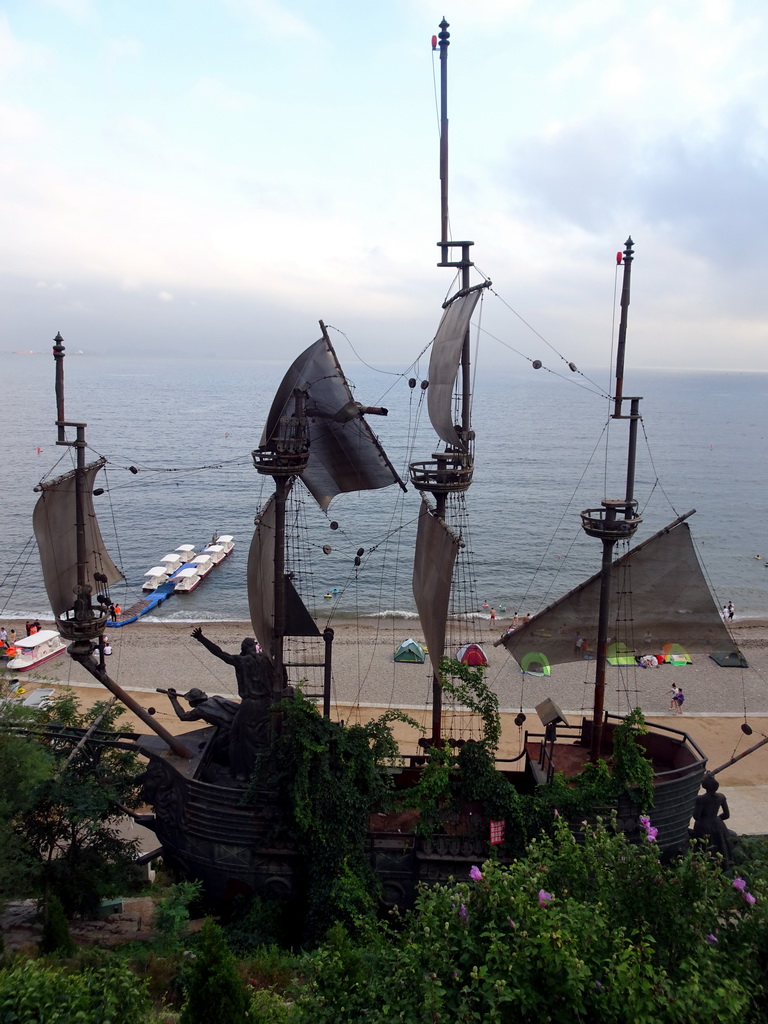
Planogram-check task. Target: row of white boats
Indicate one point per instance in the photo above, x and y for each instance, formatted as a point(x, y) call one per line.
point(182, 570)
point(185, 568)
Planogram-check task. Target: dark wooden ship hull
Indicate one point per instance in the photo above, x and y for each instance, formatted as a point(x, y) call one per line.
point(214, 830)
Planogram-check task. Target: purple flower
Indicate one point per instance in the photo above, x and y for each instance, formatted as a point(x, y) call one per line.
point(512, 923)
point(475, 873)
point(650, 831)
point(740, 884)
point(544, 897)
point(462, 911)
point(598, 985)
point(749, 897)
point(711, 938)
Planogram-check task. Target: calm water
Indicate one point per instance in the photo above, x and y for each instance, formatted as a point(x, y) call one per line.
point(541, 458)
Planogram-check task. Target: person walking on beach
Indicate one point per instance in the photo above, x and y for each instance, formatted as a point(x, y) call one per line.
point(672, 694)
point(493, 617)
point(578, 643)
point(731, 611)
point(677, 700)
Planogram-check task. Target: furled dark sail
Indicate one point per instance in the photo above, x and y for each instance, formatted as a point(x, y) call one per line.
point(659, 596)
point(54, 525)
point(261, 586)
point(444, 364)
point(344, 454)
point(436, 550)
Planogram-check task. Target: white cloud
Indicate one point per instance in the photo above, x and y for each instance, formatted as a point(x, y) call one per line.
point(125, 46)
point(219, 94)
point(272, 16)
point(13, 53)
point(19, 123)
point(78, 10)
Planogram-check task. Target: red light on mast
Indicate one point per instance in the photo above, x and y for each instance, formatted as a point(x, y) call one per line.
point(619, 256)
point(434, 42)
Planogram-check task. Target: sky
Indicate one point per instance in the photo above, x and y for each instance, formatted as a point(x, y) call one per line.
point(215, 176)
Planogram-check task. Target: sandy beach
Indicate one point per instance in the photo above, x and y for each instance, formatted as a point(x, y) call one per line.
point(366, 681)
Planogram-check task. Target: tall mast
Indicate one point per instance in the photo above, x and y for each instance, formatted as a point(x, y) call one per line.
point(450, 471)
point(86, 620)
point(617, 519)
point(446, 245)
point(283, 459)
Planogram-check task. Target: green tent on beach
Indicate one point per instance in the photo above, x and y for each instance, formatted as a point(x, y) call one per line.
point(729, 659)
point(411, 650)
point(534, 663)
point(620, 654)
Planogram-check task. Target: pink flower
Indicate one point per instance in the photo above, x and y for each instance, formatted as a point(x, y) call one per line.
point(462, 911)
point(711, 938)
point(650, 831)
point(512, 923)
point(475, 873)
point(544, 897)
point(749, 897)
point(740, 884)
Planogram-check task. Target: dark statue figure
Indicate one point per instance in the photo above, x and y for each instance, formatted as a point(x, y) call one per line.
point(218, 711)
point(257, 684)
point(710, 813)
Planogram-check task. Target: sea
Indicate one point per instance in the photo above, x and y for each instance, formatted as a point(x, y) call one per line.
point(546, 448)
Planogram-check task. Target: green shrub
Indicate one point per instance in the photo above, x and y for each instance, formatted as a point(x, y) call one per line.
point(596, 931)
point(214, 989)
point(56, 937)
point(171, 919)
point(34, 992)
point(269, 1008)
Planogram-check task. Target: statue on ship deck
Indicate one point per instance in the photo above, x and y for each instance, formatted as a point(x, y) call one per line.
point(245, 729)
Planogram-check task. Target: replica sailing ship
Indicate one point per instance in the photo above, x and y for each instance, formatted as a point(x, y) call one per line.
point(316, 435)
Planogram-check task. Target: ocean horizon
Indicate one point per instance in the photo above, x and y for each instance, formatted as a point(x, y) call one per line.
point(545, 450)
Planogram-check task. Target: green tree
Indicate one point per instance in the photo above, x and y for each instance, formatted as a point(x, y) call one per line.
point(56, 937)
point(24, 766)
point(214, 989)
point(71, 820)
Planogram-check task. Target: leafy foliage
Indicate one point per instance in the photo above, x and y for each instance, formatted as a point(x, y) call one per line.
point(213, 986)
point(597, 931)
point(69, 815)
point(327, 778)
point(473, 692)
point(33, 990)
point(172, 914)
point(56, 937)
point(24, 766)
point(598, 785)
